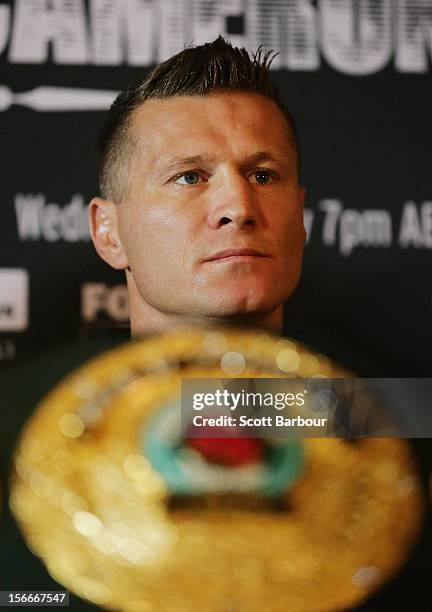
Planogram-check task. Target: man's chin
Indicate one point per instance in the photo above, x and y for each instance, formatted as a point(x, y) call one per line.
point(232, 305)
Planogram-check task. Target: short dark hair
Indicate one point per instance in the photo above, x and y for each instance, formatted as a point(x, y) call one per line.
point(195, 71)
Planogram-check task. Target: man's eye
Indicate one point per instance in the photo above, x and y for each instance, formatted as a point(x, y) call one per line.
point(188, 178)
point(262, 177)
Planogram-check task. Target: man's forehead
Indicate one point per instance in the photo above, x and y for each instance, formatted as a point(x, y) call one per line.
point(182, 128)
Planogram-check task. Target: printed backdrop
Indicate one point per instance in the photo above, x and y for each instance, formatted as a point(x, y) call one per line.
point(356, 75)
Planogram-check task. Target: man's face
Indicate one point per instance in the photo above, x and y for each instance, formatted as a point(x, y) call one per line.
point(212, 224)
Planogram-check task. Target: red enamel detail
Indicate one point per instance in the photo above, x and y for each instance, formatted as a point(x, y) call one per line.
point(228, 451)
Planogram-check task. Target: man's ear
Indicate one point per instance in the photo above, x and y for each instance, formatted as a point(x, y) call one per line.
point(104, 232)
point(302, 195)
point(302, 204)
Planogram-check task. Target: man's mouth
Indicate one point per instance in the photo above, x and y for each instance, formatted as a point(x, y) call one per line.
point(235, 253)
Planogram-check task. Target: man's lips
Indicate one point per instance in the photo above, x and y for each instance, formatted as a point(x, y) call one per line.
point(235, 253)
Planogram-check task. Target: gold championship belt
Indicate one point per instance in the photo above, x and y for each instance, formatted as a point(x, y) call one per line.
point(128, 514)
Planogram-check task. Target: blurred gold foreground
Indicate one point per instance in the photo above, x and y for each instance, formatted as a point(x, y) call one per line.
point(92, 507)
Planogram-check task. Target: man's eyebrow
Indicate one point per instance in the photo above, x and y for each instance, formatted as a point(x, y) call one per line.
point(172, 163)
point(262, 156)
point(178, 161)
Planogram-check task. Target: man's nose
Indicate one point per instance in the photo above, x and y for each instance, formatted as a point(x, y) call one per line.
point(233, 202)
